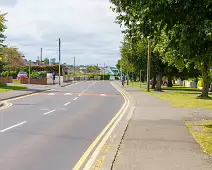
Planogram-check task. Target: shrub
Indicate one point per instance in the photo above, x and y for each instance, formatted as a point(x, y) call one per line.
point(3, 84)
point(4, 74)
point(116, 77)
point(105, 76)
point(13, 74)
point(42, 74)
point(36, 75)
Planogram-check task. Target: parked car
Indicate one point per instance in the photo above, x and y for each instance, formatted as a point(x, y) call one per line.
point(22, 75)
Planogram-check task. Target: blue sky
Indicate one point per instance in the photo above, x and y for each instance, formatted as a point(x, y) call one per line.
point(86, 28)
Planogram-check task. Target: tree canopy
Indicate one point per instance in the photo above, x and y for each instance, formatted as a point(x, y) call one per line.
point(181, 31)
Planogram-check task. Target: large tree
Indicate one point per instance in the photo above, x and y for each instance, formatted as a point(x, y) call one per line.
point(187, 25)
point(12, 58)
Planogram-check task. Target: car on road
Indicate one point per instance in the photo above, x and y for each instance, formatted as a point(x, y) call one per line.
point(22, 75)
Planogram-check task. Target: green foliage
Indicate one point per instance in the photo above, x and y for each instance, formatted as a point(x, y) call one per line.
point(42, 74)
point(93, 68)
point(181, 31)
point(200, 82)
point(13, 74)
point(46, 61)
point(2, 28)
point(116, 77)
point(36, 75)
point(53, 68)
point(4, 74)
point(103, 76)
point(3, 84)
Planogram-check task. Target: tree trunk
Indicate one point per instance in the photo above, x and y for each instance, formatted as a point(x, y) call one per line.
point(154, 82)
point(169, 81)
point(159, 82)
point(206, 78)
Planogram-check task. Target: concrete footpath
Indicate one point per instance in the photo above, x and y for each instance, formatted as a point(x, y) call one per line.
point(157, 139)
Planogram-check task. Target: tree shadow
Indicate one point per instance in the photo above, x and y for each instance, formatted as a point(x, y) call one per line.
point(180, 89)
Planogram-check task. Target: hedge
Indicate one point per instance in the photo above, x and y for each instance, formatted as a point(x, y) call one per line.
point(105, 76)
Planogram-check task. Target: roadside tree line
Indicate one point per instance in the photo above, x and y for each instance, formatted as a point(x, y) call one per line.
point(179, 34)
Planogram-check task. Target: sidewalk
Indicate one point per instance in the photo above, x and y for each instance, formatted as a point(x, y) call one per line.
point(157, 138)
point(17, 93)
point(31, 88)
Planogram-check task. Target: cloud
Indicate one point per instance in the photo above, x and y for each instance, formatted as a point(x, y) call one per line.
point(86, 28)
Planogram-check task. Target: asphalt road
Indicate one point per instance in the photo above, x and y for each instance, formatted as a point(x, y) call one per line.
point(52, 130)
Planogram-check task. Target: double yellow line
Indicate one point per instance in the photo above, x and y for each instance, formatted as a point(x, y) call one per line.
point(112, 124)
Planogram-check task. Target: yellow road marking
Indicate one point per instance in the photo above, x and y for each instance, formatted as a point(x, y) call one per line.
point(96, 141)
point(6, 105)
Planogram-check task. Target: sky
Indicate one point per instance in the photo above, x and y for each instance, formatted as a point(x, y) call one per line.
point(87, 30)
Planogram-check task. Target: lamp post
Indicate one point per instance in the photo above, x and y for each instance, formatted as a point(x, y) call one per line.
point(29, 78)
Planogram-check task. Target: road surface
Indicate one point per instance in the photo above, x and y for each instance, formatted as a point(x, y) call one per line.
point(53, 129)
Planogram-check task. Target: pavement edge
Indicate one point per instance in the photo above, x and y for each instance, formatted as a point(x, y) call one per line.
point(24, 95)
point(112, 154)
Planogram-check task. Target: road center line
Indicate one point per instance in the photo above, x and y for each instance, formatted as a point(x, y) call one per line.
point(67, 104)
point(49, 112)
point(13, 126)
point(75, 98)
point(88, 87)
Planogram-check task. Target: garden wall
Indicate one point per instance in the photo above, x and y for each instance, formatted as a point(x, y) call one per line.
point(41, 81)
point(6, 79)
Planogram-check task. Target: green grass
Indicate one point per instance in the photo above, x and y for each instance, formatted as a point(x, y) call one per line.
point(182, 97)
point(16, 81)
point(202, 132)
point(11, 88)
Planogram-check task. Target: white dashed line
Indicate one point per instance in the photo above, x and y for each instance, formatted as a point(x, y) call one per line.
point(79, 95)
point(67, 104)
point(75, 98)
point(49, 112)
point(51, 94)
point(13, 126)
point(67, 94)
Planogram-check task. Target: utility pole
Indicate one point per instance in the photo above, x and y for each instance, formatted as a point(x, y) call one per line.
point(29, 78)
point(41, 56)
point(59, 60)
point(74, 66)
point(104, 72)
point(127, 78)
point(140, 78)
point(149, 64)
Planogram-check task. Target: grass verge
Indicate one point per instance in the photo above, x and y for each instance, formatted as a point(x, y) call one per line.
point(11, 88)
point(202, 132)
point(182, 97)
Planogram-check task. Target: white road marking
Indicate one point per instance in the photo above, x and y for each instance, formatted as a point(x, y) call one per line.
point(13, 126)
point(79, 95)
point(49, 112)
point(88, 87)
point(75, 98)
point(67, 104)
point(67, 94)
point(51, 94)
point(102, 94)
